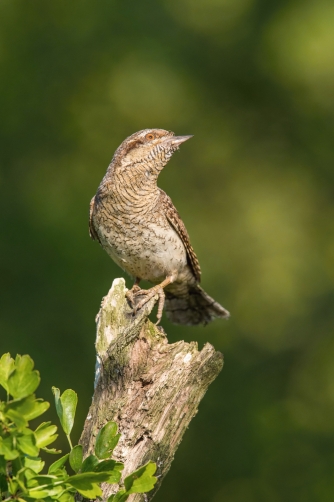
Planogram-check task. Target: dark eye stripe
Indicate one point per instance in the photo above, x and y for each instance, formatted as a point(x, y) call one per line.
point(133, 145)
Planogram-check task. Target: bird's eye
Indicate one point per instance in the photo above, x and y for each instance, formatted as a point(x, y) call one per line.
point(149, 136)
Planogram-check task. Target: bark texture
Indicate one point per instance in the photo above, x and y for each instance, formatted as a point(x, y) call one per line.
point(152, 389)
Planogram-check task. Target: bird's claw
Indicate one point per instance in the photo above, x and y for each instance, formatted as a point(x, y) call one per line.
point(148, 294)
point(131, 294)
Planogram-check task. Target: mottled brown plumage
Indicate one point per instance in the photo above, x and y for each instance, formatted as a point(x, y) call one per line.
point(139, 227)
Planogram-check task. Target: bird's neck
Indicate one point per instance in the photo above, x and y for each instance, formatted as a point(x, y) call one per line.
point(133, 188)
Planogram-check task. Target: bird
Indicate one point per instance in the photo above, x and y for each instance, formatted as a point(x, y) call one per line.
point(138, 226)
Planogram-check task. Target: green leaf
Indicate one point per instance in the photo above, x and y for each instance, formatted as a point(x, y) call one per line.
point(108, 465)
point(24, 475)
point(89, 490)
point(48, 491)
point(76, 456)
point(112, 467)
point(29, 406)
point(66, 497)
point(45, 434)
point(34, 464)
point(52, 451)
point(58, 464)
point(27, 444)
point(7, 448)
point(120, 496)
point(3, 464)
point(3, 483)
point(66, 405)
point(141, 480)
point(17, 418)
point(86, 483)
point(16, 465)
point(36, 493)
point(106, 440)
point(48, 485)
point(92, 477)
point(13, 486)
point(43, 479)
point(89, 463)
point(6, 367)
point(59, 408)
point(114, 477)
point(23, 380)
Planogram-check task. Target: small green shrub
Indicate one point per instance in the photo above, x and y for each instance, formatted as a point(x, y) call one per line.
point(21, 468)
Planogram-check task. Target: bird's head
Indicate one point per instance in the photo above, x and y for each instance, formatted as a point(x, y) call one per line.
point(149, 150)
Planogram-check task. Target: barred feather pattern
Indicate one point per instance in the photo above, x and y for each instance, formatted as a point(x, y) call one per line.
point(193, 307)
point(139, 227)
point(176, 222)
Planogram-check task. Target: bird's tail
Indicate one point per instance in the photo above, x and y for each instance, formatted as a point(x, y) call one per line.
point(193, 307)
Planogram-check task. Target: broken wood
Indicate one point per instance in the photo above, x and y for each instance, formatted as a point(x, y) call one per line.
point(151, 388)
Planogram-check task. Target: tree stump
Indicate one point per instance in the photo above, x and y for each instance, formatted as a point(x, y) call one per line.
point(151, 388)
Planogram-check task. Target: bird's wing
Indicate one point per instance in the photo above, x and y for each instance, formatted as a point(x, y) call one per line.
point(92, 231)
point(178, 225)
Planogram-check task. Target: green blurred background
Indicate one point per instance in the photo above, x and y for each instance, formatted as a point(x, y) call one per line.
point(254, 82)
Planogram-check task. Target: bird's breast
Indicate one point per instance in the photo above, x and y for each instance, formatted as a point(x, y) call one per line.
point(145, 246)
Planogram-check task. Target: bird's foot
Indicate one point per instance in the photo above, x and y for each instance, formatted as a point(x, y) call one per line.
point(148, 294)
point(157, 290)
point(132, 293)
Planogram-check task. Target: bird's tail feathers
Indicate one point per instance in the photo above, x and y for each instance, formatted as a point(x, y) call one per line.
point(194, 307)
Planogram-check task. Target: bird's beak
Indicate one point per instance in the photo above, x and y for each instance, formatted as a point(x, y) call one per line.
point(177, 140)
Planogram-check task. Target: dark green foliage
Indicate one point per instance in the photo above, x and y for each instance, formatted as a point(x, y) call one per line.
point(140, 481)
point(66, 405)
point(75, 458)
point(21, 467)
point(106, 440)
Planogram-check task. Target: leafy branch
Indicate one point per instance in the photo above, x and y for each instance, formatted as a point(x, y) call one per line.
point(21, 467)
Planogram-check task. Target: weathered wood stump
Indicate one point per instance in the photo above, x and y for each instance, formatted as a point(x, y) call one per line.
point(152, 389)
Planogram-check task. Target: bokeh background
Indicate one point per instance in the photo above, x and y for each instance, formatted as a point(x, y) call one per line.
point(254, 82)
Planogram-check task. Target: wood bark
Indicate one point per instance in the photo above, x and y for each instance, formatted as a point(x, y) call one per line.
point(151, 388)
